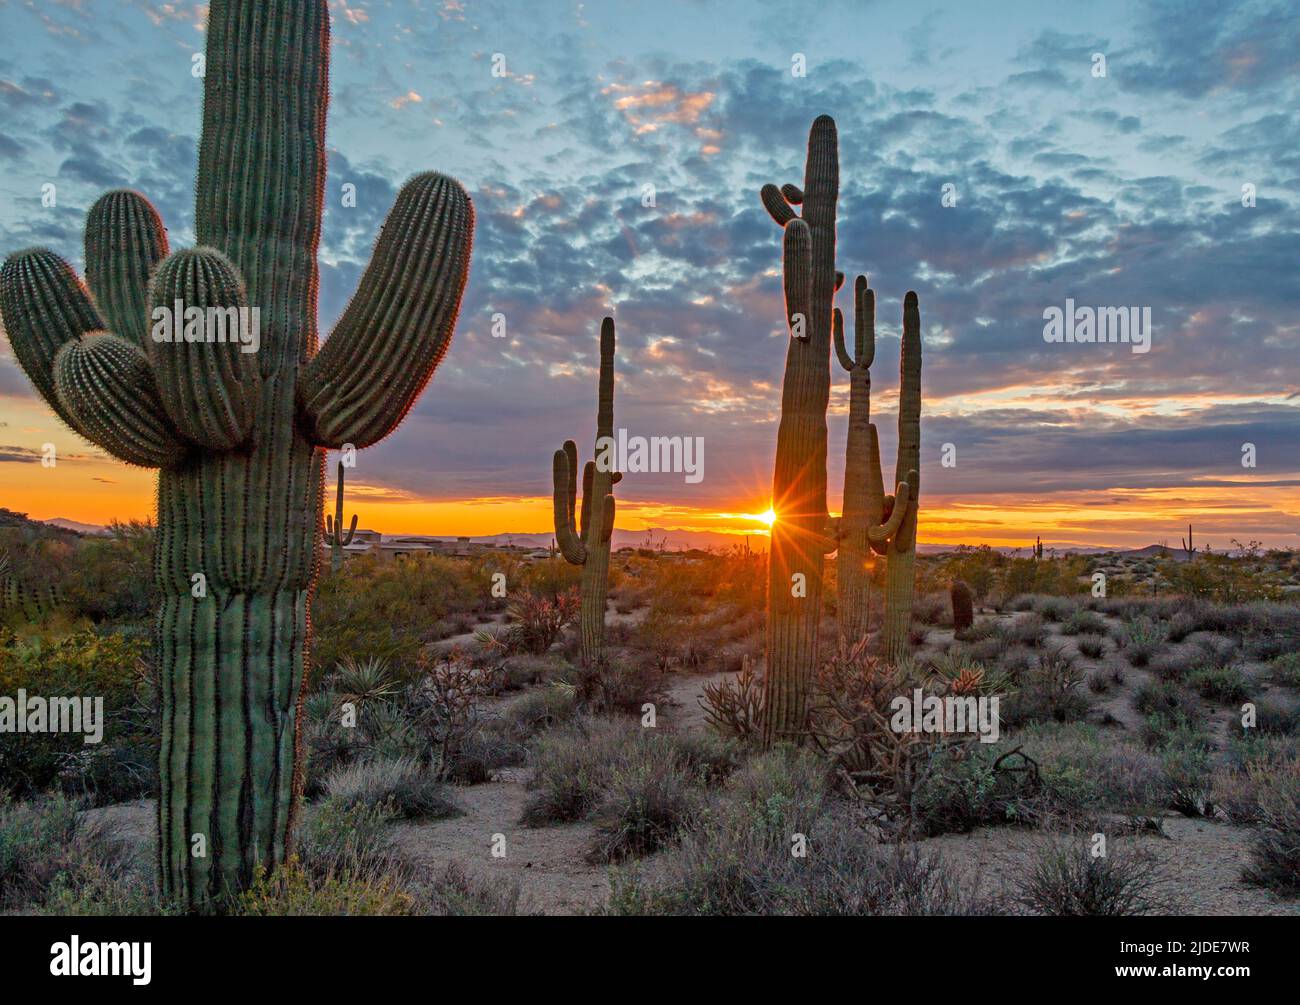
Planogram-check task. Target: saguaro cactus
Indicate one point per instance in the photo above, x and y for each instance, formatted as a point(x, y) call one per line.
point(587, 543)
point(862, 524)
point(1189, 545)
point(238, 436)
point(801, 532)
point(900, 550)
point(334, 533)
point(1038, 549)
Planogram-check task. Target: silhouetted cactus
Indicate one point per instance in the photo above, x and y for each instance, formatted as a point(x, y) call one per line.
point(963, 606)
point(863, 524)
point(338, 539)
point(239, 440)
point(587, 543)
point(1189, 545)
point(1037, 549)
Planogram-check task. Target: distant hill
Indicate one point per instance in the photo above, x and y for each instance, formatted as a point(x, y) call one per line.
point(9, 518)
point(77, 527)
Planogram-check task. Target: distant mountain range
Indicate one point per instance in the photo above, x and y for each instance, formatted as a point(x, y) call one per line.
point(679, 540)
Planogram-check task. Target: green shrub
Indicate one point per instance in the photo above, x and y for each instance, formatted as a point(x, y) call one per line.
point(412, 791)
point(1068, 880)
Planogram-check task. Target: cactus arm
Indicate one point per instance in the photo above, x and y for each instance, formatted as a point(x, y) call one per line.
point(793, 194)
point(881, 533)
point(797, 255)
point(909, 413)
point(588, 480)
point(776, 204)
point(125, 240)
point(864, 322)
point(564, 477)
point(400, 322)
point(607, 528)
point(352, 531)
point(837, 328)
point(105, 383)
point(209, 389)
point(44, 306)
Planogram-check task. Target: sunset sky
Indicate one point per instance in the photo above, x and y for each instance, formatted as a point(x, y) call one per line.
point(1122, 190)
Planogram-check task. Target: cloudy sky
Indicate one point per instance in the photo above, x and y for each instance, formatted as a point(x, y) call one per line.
point(1117, 190)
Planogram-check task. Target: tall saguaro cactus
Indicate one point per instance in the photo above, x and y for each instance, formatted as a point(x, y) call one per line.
point(863, 524)
point(800, 538)
point(900, 549)
point(337, 537)
point(238, 436)
point(587, 543)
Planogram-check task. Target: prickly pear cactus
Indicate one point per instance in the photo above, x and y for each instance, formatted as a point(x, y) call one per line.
point(337, 537)
point(237, 436)
point(587, 543)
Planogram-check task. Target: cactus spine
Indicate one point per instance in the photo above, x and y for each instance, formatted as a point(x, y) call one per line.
point(238, 441)
point(334, 534)
point(587, 543)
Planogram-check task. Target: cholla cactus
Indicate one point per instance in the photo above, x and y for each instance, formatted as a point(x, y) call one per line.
point(334, 533)
point(587, 543)
point(238, 436)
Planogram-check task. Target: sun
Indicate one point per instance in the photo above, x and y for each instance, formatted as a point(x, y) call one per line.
point(768, 516)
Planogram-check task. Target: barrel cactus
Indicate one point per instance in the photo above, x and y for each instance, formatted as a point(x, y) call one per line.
point(587, 542)
point(335, 535)
point(238, 436)
point(963, 606)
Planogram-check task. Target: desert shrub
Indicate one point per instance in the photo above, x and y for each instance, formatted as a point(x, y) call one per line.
point(932, 609)
point(540, 710)
point(1285, 670)
point(709, 759)
point(1085, 770)
point(50, 859)
point(1067, 880)
point(111, 578)
point(291, 890)
point(1274, 811)
point(1163, 698)
point(1099, 681)
point(1091, 645)
point(1081, 621)
point(648, 800)
point(1186, 759)
point(1028, 630)
point(351, 842)
point(536, 621)
point(1050, 692)
point(1056, 609)
point(1273, 718)
point(458, 893)
point(1224, 684)
point(1140, 638)
point(411, 790)
point(389, 608)
point(123, 765)
point(962, 786)
point(573, 765)
point(1170, 666)
point(1180, 626)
